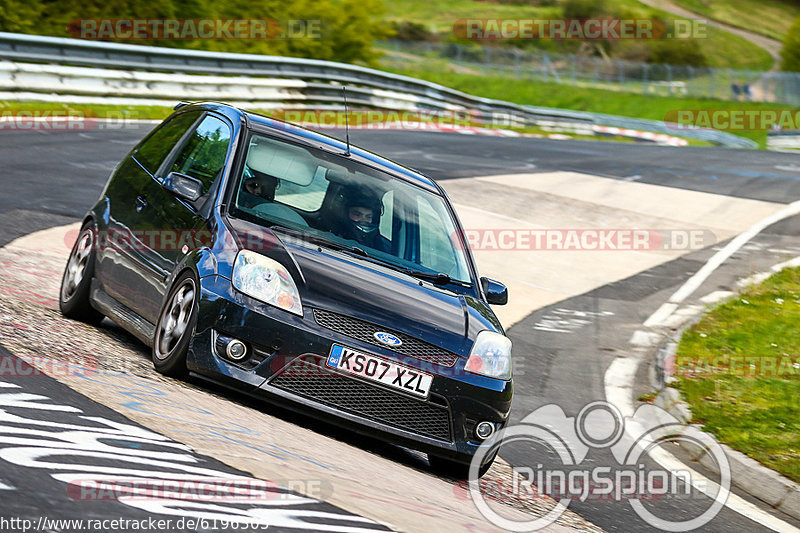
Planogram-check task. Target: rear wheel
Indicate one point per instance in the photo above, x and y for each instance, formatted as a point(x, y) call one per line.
point(76, 283)
point(455, 469)
point(175, 326)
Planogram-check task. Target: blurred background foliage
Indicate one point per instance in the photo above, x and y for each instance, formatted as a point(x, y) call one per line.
point(348, 27)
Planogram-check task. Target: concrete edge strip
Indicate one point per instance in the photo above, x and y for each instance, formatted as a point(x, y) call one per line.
point(619, 381)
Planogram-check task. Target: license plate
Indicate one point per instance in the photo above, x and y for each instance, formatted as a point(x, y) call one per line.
point(378, 369)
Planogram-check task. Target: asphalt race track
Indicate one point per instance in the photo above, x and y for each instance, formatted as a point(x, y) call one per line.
point(564, 340)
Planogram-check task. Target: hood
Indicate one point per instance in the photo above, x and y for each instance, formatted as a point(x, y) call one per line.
point(358, 288)
point(338, 282)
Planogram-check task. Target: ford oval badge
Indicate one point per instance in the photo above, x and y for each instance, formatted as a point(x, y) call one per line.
point(387, 338)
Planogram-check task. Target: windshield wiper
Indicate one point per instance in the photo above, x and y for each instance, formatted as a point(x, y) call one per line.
point(322, 241)
point(438, 278)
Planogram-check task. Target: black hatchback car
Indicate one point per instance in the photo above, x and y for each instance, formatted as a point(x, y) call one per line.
point(288, 265)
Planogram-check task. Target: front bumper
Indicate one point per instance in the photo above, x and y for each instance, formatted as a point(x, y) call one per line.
point(288, 366)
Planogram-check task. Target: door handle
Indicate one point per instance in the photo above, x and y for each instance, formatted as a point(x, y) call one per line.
point(141, 203)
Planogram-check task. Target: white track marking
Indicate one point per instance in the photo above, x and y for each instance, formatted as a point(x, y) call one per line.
point(619, 381)
point(716, 260)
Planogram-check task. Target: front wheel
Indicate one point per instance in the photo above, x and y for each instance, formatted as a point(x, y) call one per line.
point(76, 283)
point(175, 326)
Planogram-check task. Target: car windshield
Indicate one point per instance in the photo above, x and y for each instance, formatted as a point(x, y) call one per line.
point(332, 199)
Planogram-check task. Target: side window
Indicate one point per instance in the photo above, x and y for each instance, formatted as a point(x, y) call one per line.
point(157, 145)
point(204, 153)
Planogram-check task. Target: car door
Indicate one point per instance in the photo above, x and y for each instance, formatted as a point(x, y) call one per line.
point(201, 154)
point(121, 269)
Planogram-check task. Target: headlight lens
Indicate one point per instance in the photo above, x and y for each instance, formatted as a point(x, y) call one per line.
point(490, 356)
point(267, 280)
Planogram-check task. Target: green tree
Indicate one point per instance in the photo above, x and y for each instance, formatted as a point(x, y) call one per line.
point(677, 52)
point(790, 53)
point(347, 28)
point(20, 16)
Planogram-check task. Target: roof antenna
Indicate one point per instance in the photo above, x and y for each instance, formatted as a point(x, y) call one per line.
point(346, 125)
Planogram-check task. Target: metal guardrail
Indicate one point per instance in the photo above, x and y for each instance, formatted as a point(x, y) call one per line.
point(257, 78)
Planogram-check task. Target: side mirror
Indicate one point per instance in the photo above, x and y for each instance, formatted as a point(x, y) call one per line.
point(183, 186)
point(496, 292)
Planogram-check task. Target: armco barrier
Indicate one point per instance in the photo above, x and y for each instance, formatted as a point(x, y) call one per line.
point(109, 70)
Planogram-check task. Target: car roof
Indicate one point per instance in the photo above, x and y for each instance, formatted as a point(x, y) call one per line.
point(319, 139)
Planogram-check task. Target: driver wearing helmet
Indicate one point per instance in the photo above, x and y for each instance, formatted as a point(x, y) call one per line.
point(362, 214)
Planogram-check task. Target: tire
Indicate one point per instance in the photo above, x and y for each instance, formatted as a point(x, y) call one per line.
point(455, 469)
point(76, 283)
point(175, 326)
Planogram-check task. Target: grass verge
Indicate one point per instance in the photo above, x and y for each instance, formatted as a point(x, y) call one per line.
point(739, 370)
point(771, 19)
point(120, 112)
point(627, 104)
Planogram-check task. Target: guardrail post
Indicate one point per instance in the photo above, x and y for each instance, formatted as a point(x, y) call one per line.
point(573, 74)
point(669, 79)
point(713, 82)
point(645, 73)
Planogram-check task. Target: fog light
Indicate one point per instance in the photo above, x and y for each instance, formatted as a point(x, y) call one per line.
point(484, 430)
point(236, 350)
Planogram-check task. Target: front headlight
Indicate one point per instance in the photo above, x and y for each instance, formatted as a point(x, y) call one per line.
point(490, 356)
point(267, 280)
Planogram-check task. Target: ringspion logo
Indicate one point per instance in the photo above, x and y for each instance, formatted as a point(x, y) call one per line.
point(574, 476)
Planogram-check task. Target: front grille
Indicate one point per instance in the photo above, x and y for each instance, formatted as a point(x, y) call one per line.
point(307, 376)
point(363, 331)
